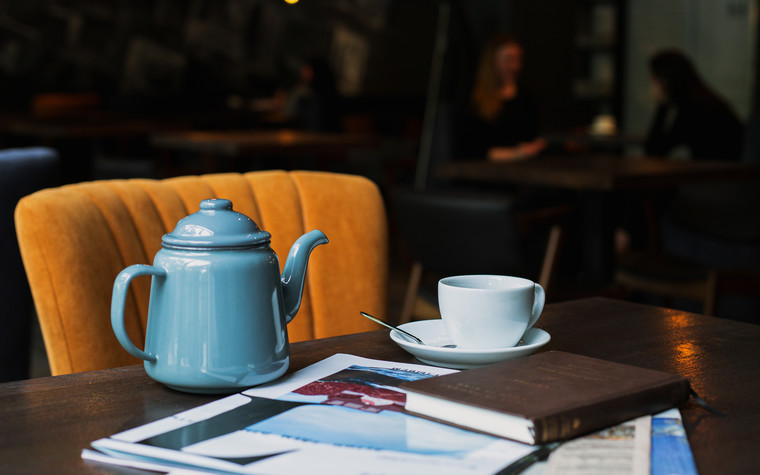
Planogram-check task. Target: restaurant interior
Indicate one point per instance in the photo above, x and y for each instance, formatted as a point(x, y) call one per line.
point(171, 88)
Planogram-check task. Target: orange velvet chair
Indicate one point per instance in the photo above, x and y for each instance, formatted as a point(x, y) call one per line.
point(75, 239)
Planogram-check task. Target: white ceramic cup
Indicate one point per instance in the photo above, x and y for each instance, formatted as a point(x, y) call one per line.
point(488, 311)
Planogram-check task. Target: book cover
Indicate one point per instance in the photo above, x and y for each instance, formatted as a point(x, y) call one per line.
point(545, 397)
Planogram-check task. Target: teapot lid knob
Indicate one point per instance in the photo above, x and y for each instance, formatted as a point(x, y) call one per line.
point(216, 204)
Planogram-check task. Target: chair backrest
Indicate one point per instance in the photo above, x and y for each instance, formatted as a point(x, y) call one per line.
point(718, 215)
point(457, 232)
point(75, 240)
point(22, 171)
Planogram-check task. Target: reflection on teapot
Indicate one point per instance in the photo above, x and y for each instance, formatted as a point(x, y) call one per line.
point(219, 309)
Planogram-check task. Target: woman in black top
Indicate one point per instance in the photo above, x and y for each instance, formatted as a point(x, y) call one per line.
point(689, 113)
point(504, 125)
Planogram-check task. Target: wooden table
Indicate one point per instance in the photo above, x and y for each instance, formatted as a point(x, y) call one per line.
point(77, 136)
point(587, 141)
point(598, 178)
point(242, 150)
point(45, 423)
point(77, 133)
point(91, 126)
point(250, 142)
point(111, 123)
point(604, 173)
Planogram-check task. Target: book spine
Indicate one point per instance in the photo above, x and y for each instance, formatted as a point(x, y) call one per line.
point(598, 415)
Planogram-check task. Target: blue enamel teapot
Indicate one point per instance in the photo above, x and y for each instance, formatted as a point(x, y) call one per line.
point(219, 308)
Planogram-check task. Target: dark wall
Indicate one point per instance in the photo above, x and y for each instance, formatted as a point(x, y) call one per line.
point(208, 48)
point(547, 31)
point(145, 52)
point(126, 47)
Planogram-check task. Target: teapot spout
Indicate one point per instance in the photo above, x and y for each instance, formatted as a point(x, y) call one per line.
point(294, 272)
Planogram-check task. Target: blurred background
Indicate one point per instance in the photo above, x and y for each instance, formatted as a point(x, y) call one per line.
point(137, 68)
point(583, 57)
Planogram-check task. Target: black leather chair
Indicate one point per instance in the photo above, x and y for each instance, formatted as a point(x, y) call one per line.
point(456, 231)
point(450, 228)
point(22, 171)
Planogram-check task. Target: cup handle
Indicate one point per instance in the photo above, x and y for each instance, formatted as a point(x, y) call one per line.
point(118, 300)
point(538, 304)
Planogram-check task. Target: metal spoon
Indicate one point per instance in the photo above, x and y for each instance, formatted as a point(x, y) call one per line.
point(406, 333)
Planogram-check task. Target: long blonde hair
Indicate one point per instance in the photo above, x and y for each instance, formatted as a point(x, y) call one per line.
point(485, 93)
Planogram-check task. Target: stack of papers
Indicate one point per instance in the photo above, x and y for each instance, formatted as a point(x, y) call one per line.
point(344, 414)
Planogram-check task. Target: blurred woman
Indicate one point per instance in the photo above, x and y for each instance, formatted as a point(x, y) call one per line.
point(505, 125)
point(689, 113)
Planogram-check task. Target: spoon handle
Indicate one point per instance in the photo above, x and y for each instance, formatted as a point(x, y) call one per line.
point(386, 324)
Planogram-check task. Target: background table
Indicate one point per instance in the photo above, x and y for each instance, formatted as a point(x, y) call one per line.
point(604, 173)
point(45, 423)
point(81, 137)
point(233, 150)
point(250, 142)
point(598, 178)
point(94, 126)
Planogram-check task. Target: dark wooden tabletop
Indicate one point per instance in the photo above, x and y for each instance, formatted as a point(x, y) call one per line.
point(599, 172)
point(46, 422)
point(247, 142)
point(91, 125)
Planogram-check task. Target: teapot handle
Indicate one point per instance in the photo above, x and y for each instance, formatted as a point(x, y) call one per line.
point(120, 287)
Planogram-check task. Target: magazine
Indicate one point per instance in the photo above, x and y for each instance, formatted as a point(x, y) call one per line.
point(655, 445)
point(671, 453)
point(343, 414)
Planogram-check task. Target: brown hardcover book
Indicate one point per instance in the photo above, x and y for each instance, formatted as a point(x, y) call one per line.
point(545, 397)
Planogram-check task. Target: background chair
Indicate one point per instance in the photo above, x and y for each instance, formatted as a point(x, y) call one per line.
point(449, 232)
point(22, 171)
point(75, 240)
point(668, 277)
point(709, 246)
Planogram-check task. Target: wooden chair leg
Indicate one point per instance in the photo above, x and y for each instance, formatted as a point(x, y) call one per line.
point(411, 292)
point(551, 256)
point(711, 286)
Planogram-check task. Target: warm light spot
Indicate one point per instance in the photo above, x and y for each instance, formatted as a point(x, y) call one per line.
point(286, 137)
point(686, 350)
point(677, 319)
point(682, 346)
point(291, 1)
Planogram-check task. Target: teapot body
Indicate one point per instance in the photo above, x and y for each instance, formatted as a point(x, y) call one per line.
point(219, 308)
point(216, 321)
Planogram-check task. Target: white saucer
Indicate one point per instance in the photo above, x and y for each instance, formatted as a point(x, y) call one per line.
point(434, 334)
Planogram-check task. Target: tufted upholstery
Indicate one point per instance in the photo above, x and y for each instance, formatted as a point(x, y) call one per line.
point(75, 239)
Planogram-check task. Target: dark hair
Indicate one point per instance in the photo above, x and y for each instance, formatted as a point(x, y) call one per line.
point(679, 77)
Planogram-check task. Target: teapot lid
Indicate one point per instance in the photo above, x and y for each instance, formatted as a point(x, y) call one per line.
point(215, 226)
